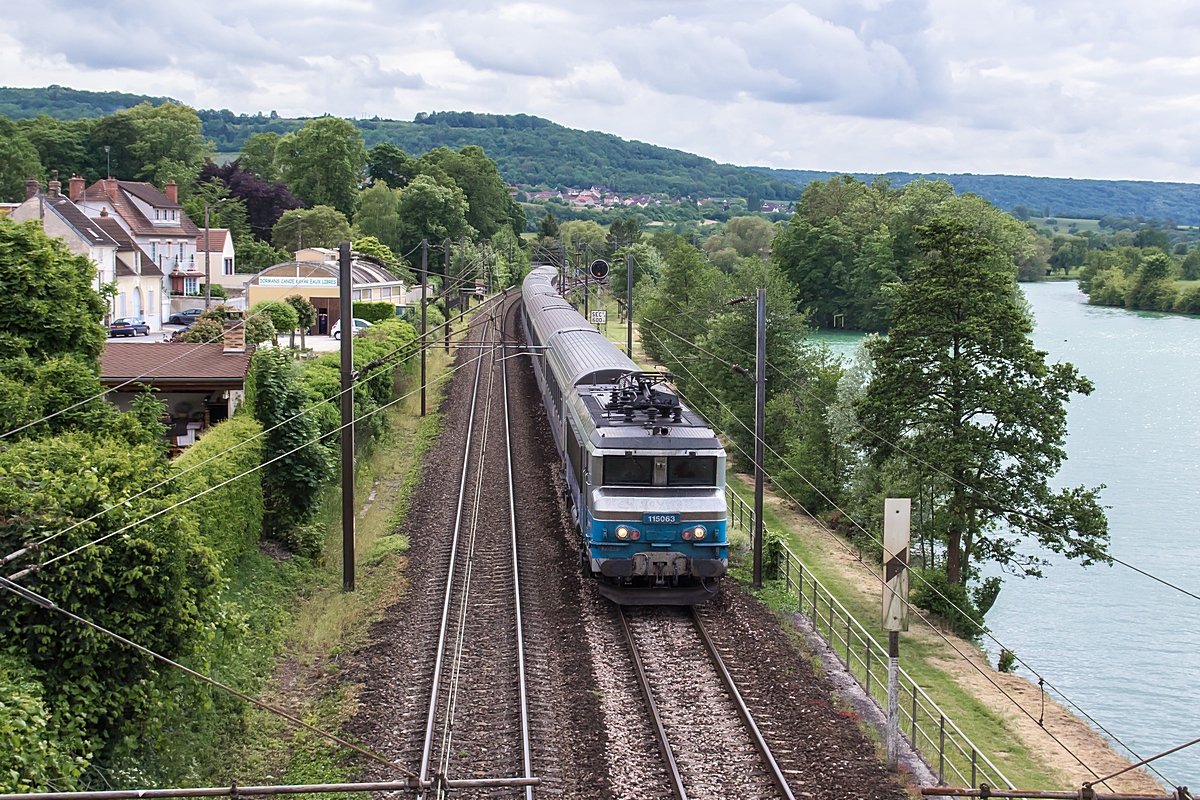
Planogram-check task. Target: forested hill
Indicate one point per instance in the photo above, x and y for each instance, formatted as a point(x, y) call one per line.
point(63, 103)
point(1066, 197)
point(531, 150)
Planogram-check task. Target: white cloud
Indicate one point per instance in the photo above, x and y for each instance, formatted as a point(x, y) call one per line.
point(1086, 89)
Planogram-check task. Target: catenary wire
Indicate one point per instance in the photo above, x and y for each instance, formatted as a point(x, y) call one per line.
point(87, 400)
point(920, 577)
point(39, 600)
point(910, 606)
point(381, 361)
point(160, 512)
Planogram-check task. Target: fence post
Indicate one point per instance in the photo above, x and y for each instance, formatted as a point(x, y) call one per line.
point(972, 767)
point(831, 623)
point(913, 738)
point(799, 588)
point(787, 571)
point(868, 669)
point(941, 749)
point(848, 669)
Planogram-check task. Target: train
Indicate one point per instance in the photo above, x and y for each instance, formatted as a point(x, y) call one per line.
point(645, 476)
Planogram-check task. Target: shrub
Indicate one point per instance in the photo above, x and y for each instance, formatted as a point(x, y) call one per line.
point(932, 591)
point(1108, 287)
point(229, 519)
point(374, 312)
point(36, 754)
point(1188, 302)
point(156, 583)
point(290, 484)
point(1007, 661)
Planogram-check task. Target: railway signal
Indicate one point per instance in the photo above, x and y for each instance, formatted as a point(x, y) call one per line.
point(897, 521)
point(598, 269)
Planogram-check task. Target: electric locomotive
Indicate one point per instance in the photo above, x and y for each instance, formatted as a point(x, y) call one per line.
point(646, 476)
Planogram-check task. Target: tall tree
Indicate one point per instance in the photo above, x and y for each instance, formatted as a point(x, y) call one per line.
point(958, 384)
point(258, 156)
point(321, 226)
point(323, 161)
point(379, 215)
point(433, 211)
point(489, 205)
point(18, 162)
point(386, 162)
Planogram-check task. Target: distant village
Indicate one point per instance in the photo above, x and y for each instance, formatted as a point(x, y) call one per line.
point(603, 197)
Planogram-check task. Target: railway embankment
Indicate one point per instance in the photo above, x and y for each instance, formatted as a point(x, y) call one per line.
point(998, 711)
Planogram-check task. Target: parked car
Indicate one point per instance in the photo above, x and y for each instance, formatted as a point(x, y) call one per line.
point(359, 326)
point(185, 317)
point(128, 326)
point(177, 336)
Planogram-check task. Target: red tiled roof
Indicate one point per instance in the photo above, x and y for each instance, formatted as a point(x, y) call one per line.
point(216, 236)
point(172, 362)
point(126, 244)
point(133, 217)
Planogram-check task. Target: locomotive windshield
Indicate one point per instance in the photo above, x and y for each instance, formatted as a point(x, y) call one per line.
point(692, 471)
point(628, 470)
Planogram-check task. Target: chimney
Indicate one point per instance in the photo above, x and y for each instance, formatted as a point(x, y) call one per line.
point(76, 189)
point(172, 191)
point(110, 188)
point(55, 188)
point(32, 187)
point(234, 340)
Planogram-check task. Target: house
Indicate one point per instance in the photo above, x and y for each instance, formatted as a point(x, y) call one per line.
point(63, 219)
point(218, 246)
point(201, 384)
point(154, 220)
point(315, 274)
point(139, 280)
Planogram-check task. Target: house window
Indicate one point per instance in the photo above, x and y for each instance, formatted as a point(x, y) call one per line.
point(181, 251)
point(150, 303)
point(367, 294)
point(356, 295)
point(229, 266)
point(190, 286)
point(154, 251)
point(386, 291)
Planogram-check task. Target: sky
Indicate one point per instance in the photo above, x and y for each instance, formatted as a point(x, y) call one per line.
point(1095, 89)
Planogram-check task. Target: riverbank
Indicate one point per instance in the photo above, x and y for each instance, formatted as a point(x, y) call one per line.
point(998, 711)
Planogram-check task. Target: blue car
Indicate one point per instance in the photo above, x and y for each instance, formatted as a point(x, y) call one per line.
point(128, 326)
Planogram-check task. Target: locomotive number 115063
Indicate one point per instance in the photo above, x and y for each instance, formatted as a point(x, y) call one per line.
point(660, 519)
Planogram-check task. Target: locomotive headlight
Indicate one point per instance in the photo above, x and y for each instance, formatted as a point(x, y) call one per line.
point(699, 532)
point(622, 532)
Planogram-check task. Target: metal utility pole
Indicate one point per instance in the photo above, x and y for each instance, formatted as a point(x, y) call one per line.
point(347, 316)
point(897, 525)
point(445, 296)
point(207, 274)
point(629, 304)
point(424, 329)
point(760, 413)
point(587, 285)
point(562, 265)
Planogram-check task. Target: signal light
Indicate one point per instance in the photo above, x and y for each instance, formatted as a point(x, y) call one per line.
point(687, 534)
point(622, 532)
point(699, 532)
point(635, 534)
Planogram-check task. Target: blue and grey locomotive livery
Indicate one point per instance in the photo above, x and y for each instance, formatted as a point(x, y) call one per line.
point(646, 476)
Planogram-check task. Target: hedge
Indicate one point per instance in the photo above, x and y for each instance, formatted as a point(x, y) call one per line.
point(375, 312)
point(229, 519)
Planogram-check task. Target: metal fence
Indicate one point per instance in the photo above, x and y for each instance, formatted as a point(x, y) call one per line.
point(938, 739)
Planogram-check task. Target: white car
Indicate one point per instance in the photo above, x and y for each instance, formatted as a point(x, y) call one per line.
point(359, 326)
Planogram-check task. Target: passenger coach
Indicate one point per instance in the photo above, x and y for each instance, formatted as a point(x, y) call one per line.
point(646, 477)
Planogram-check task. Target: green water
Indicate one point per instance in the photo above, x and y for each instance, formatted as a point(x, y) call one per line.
point(1123, 647)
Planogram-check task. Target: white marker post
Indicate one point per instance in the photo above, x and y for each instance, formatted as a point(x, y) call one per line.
point(897, 520)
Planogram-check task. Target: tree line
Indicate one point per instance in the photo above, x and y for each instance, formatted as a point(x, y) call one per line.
point(954, 408)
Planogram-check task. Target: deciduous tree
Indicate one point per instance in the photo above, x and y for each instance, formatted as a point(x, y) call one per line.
point(322, 163)
point(958, 384)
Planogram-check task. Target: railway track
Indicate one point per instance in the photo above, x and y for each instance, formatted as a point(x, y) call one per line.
point(477, 719)
point(692, 701)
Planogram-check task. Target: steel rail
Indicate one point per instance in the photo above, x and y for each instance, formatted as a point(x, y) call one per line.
point(759, 742)
point(441, 645)
point(512, 516)
point(664, 744)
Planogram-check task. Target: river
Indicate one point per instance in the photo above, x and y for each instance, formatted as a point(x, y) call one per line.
point(1125, 648)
